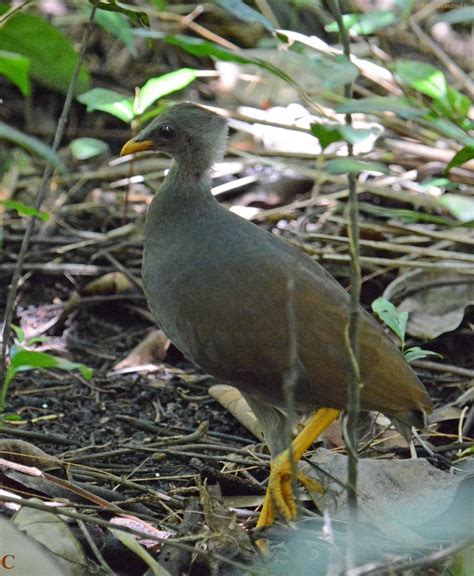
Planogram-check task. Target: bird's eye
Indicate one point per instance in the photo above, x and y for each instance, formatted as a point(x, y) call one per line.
point(166, 131)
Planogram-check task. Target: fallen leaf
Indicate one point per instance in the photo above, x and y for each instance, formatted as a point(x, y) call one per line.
point(152, 349)
point(110, 283)
point(233, 401)
point(54, 534)
point(23, 555)
point(436, 302)
point(26, 453)
point(395, 496)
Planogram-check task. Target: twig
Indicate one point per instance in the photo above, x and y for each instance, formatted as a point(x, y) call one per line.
point(388, 262)
point(454, 69)
point(351, 435)
point(15, 8)
point(423, 151)
point(93, 546)
point(187, 21)
point(54, 268)
point(402, 564)
point(31, 435)
point(422, 232)
point(267, 11)
point(392, 247)
point(446, 368)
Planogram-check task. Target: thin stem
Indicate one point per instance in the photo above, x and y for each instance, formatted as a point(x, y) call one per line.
point(353, 391)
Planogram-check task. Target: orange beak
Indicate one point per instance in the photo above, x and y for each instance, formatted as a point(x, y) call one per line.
point(133, 146)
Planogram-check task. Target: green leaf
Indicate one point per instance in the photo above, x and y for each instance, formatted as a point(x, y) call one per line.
point(245, 13)
point(366, 23)
point(24, 210)
point(24, 360)
point(400, 106)
point(345, 165)
point(455, 107)
point(197, 47)
point(404, 214)
point(423, 77)
point(356, 135)
point(327, 133)
point(51, 54)
point(417, 353)
point(447, 128)
point(32, 144)
point(161, 86)
point(458, 102)
point(464, 155)
point(19, 333)
point(11, 417)
point(203, 48)
point(109, 101)
point(85, 148)
point(347, 19)
point(461, 207)
point(332, 71)
point(135, 14)
point(395, 320)
point(118, 25)
point(160, 4)
point(429, 183)
point(15, 67)
point(464, 15)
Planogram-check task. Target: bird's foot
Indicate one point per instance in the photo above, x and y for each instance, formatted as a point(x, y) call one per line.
point(280, 497)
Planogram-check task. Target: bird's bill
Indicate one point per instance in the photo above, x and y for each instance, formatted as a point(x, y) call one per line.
point(133, 146)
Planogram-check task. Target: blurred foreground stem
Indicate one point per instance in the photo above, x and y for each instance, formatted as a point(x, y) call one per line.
point(353, 391)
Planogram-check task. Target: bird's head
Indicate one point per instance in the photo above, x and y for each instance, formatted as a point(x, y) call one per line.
point(191, 134)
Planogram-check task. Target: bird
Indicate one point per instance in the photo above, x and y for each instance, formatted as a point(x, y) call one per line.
point(255, 311)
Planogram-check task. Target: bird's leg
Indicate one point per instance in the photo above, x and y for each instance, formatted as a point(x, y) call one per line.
point(279, 494)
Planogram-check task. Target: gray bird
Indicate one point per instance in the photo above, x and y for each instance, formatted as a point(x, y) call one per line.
point(254, 311)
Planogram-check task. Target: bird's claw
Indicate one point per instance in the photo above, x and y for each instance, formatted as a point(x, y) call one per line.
point(280, 497)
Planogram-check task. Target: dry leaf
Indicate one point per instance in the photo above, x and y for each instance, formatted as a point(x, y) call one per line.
point(435, 301)
point(111, 283)
point(23, 555)
point(27, 454)
point(232, 400)
point(395, 496)
point(150, 350)
point(54, 534)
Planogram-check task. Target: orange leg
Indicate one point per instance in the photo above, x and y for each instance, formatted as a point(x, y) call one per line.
point(279, 496)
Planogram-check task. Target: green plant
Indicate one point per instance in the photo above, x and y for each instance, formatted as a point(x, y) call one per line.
point(31, 47)
point(397, 322)
point(129, 108)
point(22, 359)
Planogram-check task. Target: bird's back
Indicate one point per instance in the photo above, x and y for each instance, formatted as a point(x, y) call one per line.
point(235, 299)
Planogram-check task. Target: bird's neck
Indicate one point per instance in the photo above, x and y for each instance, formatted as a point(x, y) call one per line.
point(184, 192)
point(191, 179)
